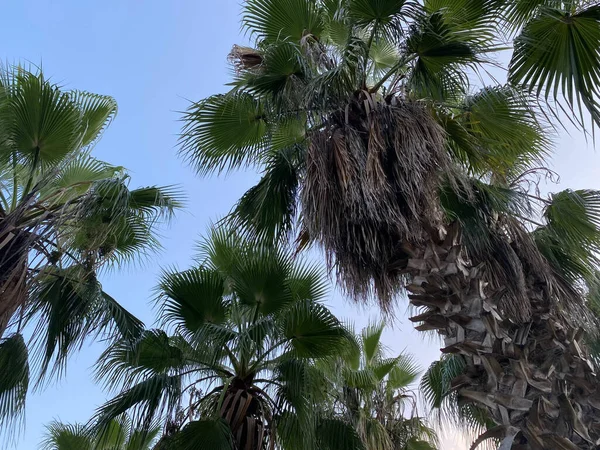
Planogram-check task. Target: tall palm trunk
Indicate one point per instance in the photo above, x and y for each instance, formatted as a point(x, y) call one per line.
point(13, 270)
point(533, 377)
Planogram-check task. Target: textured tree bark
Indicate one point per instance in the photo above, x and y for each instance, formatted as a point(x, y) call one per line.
point(533, 376)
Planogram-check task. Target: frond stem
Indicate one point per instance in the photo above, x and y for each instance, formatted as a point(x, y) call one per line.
point(402, 62)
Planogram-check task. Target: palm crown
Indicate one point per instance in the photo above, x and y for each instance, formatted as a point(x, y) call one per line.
point(120, 434)
point(361, 116)
point(373, 143)
point(237, 370)
point(371, 391)
point(63, 216)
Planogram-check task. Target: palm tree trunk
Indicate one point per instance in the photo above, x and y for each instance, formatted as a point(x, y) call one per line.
point(13, 271)
point(533, 376)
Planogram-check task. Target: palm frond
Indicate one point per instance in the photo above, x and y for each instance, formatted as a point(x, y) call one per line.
point(60, 436)
point(441, 56)
point(65, 301)
point(371, 341)
point(404, 373)
point(511, 135)
point(97, 111)
point(46, 123)
point(127, 361)
point(122, 322)
point(334, 434)
point(155, 201)
point(481, 18)
point(556, 54)
point(379, 16)
point(14, 378)
point(77, 176)
point(313, 331)
point(278, 76)
point(570, 240)
point(268, 210)
point(272, 20)
point(306, 281)
point(207, 434)
point(260, 279)
point(192, 298)
point(223, 132)
point(143, 402)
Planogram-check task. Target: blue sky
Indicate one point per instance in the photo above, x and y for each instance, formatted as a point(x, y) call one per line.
point(153, 57)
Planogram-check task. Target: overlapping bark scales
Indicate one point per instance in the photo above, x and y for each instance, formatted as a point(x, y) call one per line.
point(371, 196)
point(531, 375)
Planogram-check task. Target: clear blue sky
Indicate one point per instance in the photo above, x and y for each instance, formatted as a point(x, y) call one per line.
point(153, 56)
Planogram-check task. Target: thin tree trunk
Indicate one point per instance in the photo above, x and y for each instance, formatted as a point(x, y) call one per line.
point(534, 376)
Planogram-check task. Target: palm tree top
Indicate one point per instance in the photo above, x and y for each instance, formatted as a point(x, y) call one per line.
point(64, 217)
point(236, 362)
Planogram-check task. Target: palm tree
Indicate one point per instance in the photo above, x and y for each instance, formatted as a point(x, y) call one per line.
point(372, 143)
point(120, 435)
point(63, 216)
point(372, 392)
point(236, 370)
point(445, 405)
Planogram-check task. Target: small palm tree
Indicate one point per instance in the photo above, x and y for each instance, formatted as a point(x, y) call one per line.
point(372, 392)
point(375, 144)
point(120, 435)
point(63, 216)
point(237, 369)
point(445, 405)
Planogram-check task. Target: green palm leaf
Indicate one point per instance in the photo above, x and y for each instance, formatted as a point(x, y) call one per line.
point(371, 12)
point(67, 301)
point(306, 281)
point(14, 377)
point(481, 18)
point(204, 434)
point(127, 362)
point(147, 399)
point(441, 55)
point(557, 52)
point(119, 434)
point(313, 331)
point(371, 341)
point(223, 132)
point(280, 71)
point(570, 240)
point(260, 279)
point(404, 373)
point(123, 323)
point(508, 133)
point(268, 209)
point(154, 201)
point(193, 298)
point(46, 123)
point(60, 436)
point(98, 111)
point(283, 19)
point(334, 434)
point(77, 176)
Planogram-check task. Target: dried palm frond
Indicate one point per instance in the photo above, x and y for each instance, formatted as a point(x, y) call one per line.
point(372, 178)
point(245, 58)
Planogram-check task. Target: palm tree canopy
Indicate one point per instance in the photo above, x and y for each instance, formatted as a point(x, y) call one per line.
point(64, 216)
point(361, 115)
point(374, 143)
point(236, 367)
point(119, 435)
point(372, 392)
